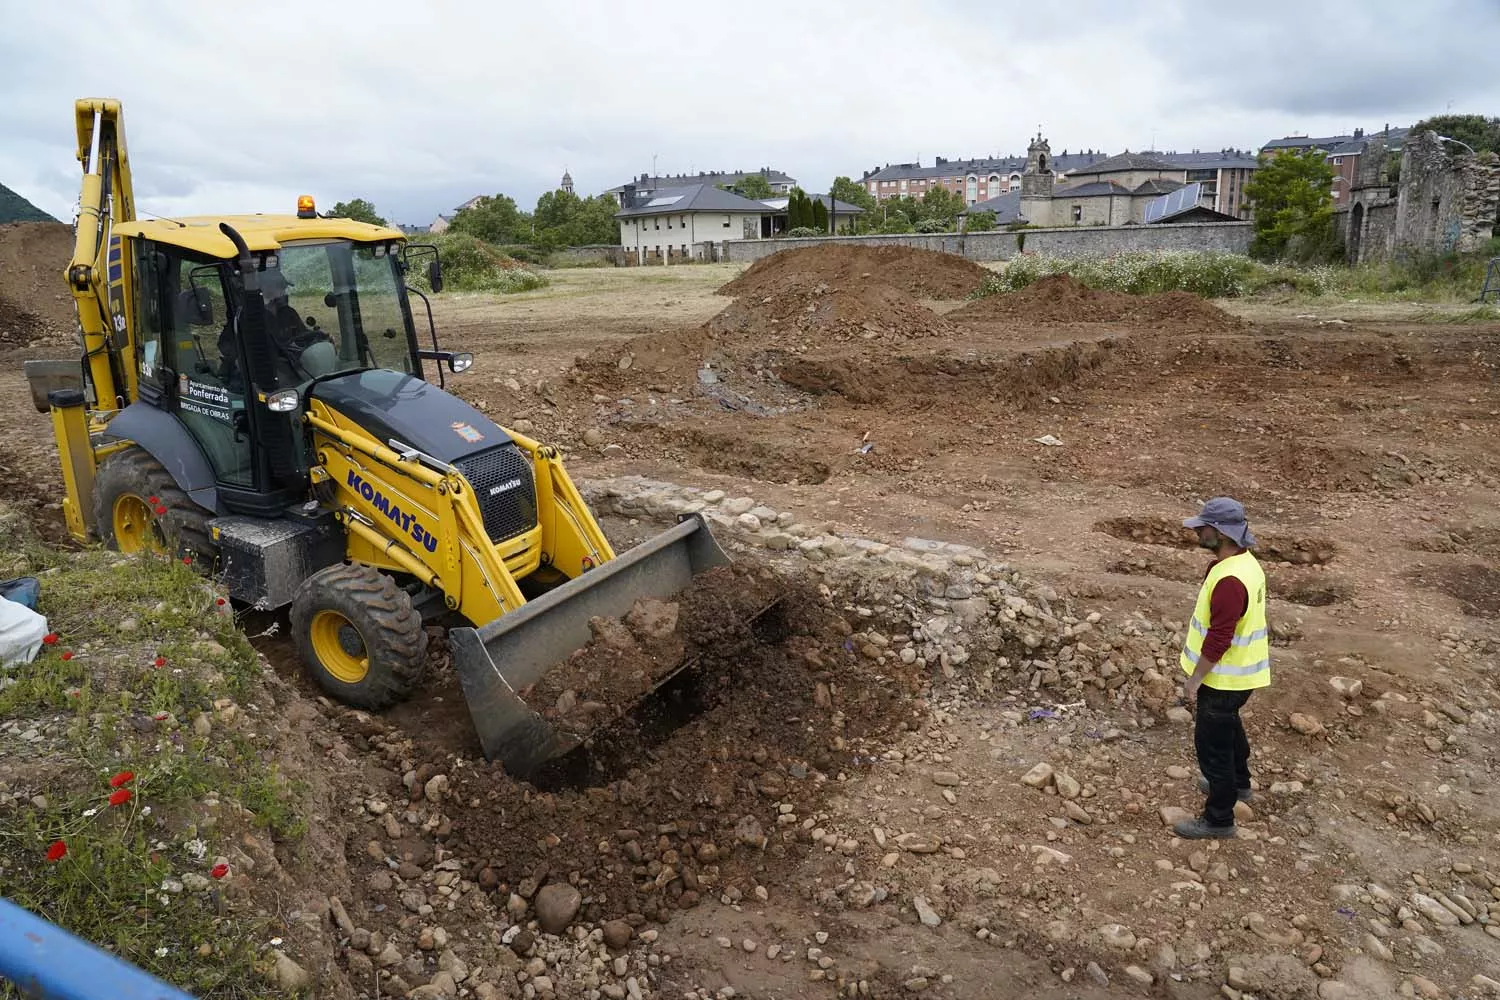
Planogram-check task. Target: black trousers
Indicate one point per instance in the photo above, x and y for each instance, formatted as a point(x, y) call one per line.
point(1223, 750)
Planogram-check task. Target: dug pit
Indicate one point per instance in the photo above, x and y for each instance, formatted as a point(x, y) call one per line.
point(674, 802)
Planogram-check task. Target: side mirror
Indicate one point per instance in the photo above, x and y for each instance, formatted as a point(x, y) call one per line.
point(460, 361)
point(195, 306)
point(435, 275)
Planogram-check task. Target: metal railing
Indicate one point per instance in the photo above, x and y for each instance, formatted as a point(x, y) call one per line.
point(1491, 281)
point(45, 962)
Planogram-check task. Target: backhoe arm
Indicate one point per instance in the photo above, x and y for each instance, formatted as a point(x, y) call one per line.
point(98, 271)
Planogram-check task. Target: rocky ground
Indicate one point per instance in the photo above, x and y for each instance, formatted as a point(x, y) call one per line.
point(953, 772)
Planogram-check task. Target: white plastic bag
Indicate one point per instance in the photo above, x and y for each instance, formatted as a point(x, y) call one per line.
point(21, 633)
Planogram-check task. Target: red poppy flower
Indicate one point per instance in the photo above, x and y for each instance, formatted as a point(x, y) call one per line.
point(154, 499)
point(123, 778)
point(50, 639)
point(219, 870)
point(187, 560)
point(160, 510)
point(120, 797)
point(68, 655)
point(221, 602)
point(160, 716)
point(57, 851)
point(159, 662)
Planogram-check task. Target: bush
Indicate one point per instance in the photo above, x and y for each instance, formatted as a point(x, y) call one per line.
point(1206, 273)
point(1212, 275)
point(802, 232)
point(472, 265)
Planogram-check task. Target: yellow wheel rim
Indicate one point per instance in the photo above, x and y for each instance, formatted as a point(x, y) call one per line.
point(135, 526)
point(339, 647)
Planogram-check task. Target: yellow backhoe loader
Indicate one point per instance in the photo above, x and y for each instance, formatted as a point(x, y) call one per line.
point(252, 396)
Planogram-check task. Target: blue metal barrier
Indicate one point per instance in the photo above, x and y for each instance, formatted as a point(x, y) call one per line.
point(47, 963)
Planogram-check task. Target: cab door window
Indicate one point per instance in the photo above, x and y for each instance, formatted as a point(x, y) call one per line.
point(210, 393)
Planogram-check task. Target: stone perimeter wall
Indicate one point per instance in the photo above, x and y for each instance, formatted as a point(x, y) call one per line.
point(1073, 241)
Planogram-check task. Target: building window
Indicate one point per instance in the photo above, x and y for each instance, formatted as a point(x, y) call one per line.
point(1077, 213)
point(682, 221)
point(669, 222)
point(1337, 160)
point(726, 222)
point(657, 223)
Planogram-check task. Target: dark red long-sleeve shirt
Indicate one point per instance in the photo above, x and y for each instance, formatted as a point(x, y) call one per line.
point(1226, 606)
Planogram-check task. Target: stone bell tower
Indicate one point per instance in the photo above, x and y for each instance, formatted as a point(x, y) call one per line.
point(1036, 183)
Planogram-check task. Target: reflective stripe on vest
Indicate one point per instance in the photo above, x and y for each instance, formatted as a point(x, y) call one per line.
point(1247, 663)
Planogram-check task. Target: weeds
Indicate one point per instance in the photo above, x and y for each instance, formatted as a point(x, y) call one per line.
point(472, 265)
point(1429, 278)
point(144, 647)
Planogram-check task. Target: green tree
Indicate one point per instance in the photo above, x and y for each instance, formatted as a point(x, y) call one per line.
point(357, 209)
point(494, 219)
point(980, 222)
point(753, 186)
point(1291, 197)
point(1477, 131)
point(820, 216)
point(941, 205)
point(852, 192)
point(563, 219)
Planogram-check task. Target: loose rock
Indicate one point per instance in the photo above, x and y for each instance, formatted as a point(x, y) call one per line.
point(556, 905)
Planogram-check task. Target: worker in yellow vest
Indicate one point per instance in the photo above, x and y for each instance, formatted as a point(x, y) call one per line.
point(1226, 656)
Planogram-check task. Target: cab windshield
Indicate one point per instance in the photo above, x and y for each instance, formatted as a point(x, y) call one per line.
point(336, 306)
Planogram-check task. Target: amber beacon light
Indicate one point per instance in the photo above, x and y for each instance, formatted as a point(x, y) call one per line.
point(305, 207)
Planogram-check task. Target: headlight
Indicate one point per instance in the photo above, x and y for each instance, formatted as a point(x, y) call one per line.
point(282, 401)
point(461, 362)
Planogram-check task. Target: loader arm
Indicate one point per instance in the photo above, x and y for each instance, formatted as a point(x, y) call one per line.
point(98, 275)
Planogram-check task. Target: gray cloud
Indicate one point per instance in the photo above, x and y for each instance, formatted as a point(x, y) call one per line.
point(419, 106)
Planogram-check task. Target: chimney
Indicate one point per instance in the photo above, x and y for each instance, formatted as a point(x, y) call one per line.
point(1359, 133)
point(627, 196)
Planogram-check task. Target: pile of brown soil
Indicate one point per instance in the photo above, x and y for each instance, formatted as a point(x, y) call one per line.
point(801, 315)
point(919, 273)
point(1061, 298)
point(35, 304)
point(629, 656)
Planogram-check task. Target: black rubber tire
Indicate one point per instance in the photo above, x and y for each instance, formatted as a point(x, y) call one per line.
point(395, 643)
point(183, 526)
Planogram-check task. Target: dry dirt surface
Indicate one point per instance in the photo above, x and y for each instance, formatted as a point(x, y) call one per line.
point(35, 305)
point(946, 774)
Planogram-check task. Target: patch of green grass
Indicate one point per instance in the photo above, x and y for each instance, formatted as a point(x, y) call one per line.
point(137, 876)
point(118, 888)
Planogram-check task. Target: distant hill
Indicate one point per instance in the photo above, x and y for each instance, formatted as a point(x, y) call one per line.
point(14, 208)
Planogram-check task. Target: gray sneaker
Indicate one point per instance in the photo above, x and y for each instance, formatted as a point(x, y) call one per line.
point(1197, 829)
point(1244, 794)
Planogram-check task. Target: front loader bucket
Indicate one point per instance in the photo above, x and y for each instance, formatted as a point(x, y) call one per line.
point(501, 659)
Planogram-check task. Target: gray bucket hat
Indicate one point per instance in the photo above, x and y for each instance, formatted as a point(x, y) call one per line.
point(1227, 516)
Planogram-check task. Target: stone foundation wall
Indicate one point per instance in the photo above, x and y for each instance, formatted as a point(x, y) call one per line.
point(975, 620)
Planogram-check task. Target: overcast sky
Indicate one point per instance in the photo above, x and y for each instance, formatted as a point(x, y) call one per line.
point(420, 104)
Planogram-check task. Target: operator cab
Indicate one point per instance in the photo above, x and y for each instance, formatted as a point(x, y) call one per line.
point(326, 307)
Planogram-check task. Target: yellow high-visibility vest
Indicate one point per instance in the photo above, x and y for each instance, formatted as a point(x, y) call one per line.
point(1247, 664)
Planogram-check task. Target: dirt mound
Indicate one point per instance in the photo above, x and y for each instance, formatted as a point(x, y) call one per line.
point(629, 656)
point(1061, 298)
point(34, 301)
point(798, 315)
point(918, 273)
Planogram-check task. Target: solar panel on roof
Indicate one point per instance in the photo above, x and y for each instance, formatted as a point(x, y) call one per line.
point(1171, 204)
point(661, 202)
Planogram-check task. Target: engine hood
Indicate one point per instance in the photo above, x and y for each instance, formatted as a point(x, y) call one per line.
point(391, 405)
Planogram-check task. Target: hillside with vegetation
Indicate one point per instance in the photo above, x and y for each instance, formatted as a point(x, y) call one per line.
point(14, 208)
